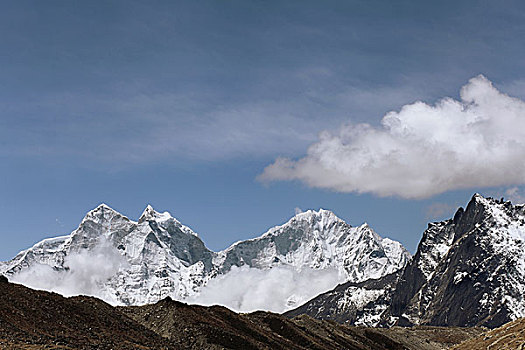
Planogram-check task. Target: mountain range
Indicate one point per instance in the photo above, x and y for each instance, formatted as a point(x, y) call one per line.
point(468, 270)
point(140, 262)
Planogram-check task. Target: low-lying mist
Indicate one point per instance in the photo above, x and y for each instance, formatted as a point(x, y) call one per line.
point(85, 274)
point(278, 289)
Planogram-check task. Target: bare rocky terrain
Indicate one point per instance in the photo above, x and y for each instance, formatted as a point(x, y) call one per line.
point(31, 319)
point(510, 336)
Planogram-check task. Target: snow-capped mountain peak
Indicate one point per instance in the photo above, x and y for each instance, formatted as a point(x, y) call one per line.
point(318, 240)
point(151, 214)
point(321, 220)
point(148, 214)
point(102, 212)
point(165, 258)
point(321, 214)
point(468, 270)
point(163, 220)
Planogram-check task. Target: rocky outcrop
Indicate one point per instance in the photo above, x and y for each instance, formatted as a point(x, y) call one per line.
point(478, 280)
point(361, 304)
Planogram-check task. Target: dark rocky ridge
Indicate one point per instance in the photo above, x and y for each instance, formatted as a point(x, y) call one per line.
point(31, 319)
point(468, 271)
point(328, 306)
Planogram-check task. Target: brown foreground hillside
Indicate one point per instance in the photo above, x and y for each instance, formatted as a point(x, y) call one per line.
point(510, 336)
point(31, 319)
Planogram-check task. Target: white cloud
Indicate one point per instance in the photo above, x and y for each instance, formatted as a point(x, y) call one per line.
point(278, 289)
point(422, 150)
point(87, 271)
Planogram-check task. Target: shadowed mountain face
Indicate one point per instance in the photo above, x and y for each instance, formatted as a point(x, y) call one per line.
point(360, 304)
point(31, 319)
point(468, 271)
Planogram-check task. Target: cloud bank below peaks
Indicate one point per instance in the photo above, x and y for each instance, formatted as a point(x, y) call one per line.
point(422, 150)
point(278, 289)
point(85, 273)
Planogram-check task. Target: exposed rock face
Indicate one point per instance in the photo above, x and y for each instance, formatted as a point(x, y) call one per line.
point(161, 257)
point(360, 304)
point(478, 280)
point(468, 271)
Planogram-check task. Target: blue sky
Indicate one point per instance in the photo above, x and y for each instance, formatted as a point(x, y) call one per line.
point(183, 104)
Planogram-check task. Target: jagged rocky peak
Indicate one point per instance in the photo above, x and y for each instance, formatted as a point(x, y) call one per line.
point(472, 214)
point(469, 270)
point(99, 223)
point(498, 215)
point(148, 214)
point(104, 213)
point(151, 214)
point(165, 221)
point(440, 236)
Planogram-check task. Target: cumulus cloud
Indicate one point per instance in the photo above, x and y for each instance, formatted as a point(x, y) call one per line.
point(85, 273)
point(279, 289)
point(421, 150)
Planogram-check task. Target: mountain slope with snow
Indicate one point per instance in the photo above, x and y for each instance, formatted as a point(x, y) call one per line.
point(480, 279)
point(467, 271)
point(140, 262)
point(360, 304)
point(160, 256)
point(319, 240)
